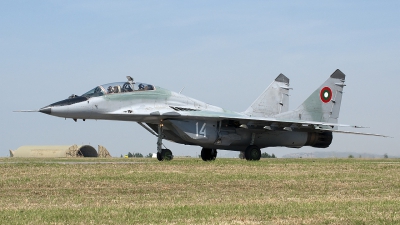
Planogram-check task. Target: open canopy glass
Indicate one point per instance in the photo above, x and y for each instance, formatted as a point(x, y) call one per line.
point(118, 87)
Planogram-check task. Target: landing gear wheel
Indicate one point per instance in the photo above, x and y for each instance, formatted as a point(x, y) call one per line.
point(214, 154)
point(159, 157)
point(165, 155)
point(208, 154)
point(162, 154)
point(252, 153)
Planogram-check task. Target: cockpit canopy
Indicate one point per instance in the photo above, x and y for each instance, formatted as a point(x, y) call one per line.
point(118, 87)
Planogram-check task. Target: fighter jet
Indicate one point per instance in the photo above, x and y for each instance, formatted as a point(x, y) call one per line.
point(175, 117)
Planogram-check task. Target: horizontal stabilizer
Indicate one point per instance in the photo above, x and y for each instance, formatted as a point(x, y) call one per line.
point(358, 133)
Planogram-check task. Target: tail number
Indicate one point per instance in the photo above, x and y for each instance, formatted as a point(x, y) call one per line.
point(202, 130)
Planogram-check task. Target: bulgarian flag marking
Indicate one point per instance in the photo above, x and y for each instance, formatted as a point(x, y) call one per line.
point(326, 94)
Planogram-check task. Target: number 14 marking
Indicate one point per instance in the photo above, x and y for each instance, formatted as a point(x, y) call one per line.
point(202, 130)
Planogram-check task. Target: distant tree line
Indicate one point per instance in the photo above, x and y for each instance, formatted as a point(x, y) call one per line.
point(263, 155)
point(136, 155)
point(266, 155)
point(385, 156)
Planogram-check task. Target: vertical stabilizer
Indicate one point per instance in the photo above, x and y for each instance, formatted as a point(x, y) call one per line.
point(274, 99)
point(323, 105)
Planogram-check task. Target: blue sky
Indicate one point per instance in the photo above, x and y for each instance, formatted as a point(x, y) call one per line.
point(223, 52)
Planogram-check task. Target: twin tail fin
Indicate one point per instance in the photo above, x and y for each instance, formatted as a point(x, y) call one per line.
point(274, 99)
point(323, 105)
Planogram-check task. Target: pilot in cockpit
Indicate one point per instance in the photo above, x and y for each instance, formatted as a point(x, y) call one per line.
point(117, 89)
point(141, 86)
point(110, 90)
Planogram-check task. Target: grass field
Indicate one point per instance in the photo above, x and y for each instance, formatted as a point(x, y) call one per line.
point(190, 191)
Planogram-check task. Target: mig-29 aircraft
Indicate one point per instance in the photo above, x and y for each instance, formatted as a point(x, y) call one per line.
point(175, 117)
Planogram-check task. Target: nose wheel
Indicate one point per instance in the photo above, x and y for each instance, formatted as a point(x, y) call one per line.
point(163, 154)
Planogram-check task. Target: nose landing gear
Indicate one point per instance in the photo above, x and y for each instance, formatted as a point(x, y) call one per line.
point(162, 153)
point(165, 154)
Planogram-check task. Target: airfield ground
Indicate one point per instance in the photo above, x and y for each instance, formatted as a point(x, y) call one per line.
point(190, 191)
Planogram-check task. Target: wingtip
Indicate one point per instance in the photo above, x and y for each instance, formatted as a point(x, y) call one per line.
point(282, 78)
point(338, 75)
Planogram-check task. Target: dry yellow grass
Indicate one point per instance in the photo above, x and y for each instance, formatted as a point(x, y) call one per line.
point(190, 191)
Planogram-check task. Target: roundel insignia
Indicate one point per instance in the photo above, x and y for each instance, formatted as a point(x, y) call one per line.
point(326, 94)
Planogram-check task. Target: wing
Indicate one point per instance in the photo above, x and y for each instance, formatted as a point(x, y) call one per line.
point(256, 124)
point(294, 125)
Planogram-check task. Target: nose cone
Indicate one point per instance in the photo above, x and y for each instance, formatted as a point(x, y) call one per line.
point(66, 102)
point(69, 101)
point(46, 110)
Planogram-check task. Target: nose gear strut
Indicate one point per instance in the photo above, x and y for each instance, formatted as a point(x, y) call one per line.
point(162, 153)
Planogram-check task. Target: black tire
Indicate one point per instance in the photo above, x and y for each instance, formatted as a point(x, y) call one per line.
point(246, 155)
point(166, 155)
point(206, 154)
point(253, 153)
point(159, 157)
point(213, 154)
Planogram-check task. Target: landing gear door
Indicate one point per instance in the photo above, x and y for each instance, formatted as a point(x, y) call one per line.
point(196, 131)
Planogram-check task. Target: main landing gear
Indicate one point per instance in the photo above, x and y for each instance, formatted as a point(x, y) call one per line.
point(208, 154)
point(162, 153)
point(252, 153)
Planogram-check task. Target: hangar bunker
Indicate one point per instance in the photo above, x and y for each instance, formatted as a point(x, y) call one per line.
point(62, 151)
